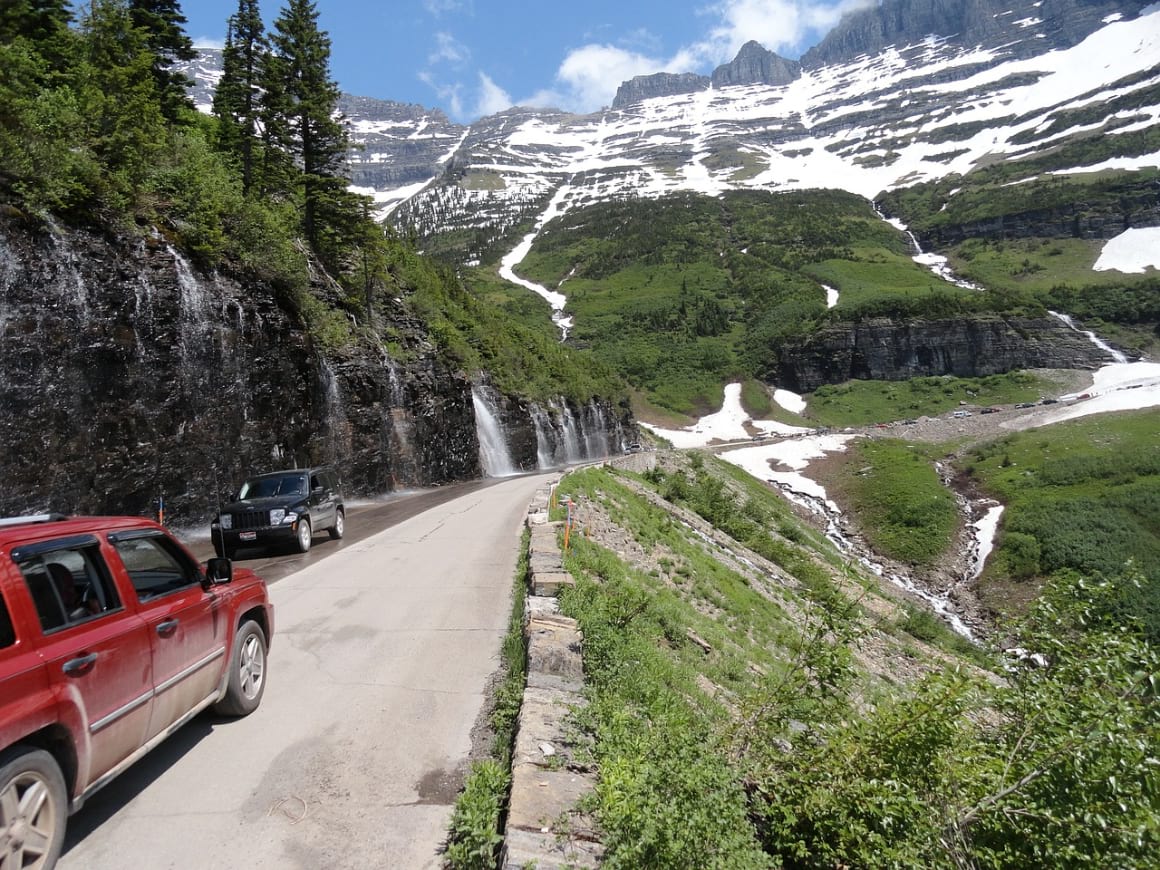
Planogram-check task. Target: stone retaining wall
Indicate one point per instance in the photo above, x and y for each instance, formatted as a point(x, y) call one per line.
point(544, 828)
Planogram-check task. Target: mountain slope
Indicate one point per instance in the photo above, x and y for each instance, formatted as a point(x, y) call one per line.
point(913, 112)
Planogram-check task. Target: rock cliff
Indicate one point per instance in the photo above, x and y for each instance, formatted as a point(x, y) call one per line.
point(127, 376)
point(756, 65)
point(663, 84)
point(882, 349)
point(1021, 28)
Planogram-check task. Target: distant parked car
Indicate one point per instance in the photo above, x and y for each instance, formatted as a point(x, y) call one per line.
point(112, 636)
point(281, 508)
point(990, 410)
point(1025, 405)
point(961, 414)
point(1049, 401)
point(633, 447)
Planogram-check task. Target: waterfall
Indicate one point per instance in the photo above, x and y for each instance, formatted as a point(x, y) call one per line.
point(937, 263)
point(195, 302)
point(494, 456)
point(596, 432)
point(1091, 336)
point(545, 457)
point(334, 417)
point(571, 433)
point(398, 397)
point(938, 603)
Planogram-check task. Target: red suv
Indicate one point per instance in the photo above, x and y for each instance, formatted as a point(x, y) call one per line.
point(112, 636)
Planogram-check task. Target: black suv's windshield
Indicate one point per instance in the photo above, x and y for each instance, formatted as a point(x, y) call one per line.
point(265, 487)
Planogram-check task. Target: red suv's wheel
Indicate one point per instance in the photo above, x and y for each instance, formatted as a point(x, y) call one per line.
point(247, 677)
point(33, 809)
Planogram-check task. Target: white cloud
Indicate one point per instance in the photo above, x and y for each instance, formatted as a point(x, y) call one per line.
point(779, 25)
point(209, 42)
point(450, 94)
point(492, 98)
point(441, 7)
point(589, 76)
point(448, 49)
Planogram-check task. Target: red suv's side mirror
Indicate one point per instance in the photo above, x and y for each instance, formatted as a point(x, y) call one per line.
point(219, 570)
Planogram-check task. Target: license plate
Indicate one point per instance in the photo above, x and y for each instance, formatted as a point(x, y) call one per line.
point(247, 536)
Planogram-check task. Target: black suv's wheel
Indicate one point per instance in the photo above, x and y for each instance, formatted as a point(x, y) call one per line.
point(305, 535)
point(33, 808)
point(247, 676)
point(339, 528)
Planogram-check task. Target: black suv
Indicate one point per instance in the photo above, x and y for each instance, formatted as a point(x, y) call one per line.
point(281, 507)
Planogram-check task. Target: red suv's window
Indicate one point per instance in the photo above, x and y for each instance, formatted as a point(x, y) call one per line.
point(153, 565)
point(7, 632)
point(68, 585)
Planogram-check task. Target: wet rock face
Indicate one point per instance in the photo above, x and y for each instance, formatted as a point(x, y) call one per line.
point(126, 376)
point(561, 432)
point(882, 349)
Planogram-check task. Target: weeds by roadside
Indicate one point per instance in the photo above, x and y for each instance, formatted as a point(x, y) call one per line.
point(477, 819)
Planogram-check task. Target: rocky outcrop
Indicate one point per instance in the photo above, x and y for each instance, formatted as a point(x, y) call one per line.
point(753, 65)
point(641, 88)
point(756, 65)
point(1126, 204)
point(1020, 27)
point(882, 349)
point(128, 376)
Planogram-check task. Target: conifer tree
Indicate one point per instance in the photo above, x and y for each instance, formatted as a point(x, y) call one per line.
point(235, 101)
point(300, 108)
point(119, 93)
point(164, 26)
point(43, 24)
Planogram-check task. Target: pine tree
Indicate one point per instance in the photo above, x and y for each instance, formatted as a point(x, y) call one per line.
point(43, 23)
point(301, 102)
point(164, 26)
point(119, 93)
point(235, 100)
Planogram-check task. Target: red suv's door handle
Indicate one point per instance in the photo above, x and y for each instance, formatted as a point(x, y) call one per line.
point(79, 666)
point(167, 628)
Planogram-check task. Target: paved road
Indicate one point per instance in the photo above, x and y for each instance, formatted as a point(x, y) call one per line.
point(381, 656)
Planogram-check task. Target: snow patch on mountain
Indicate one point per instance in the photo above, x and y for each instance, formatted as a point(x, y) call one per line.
point(731, 423)
point(1134, 250)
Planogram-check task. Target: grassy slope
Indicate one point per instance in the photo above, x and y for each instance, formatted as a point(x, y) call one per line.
point(860, 403)
point(1082, 495)
point(682, 294)
point(673, 649)
point(751, 714)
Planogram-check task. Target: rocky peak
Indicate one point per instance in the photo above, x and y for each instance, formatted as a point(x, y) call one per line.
point(658, 85)
point(756, 65)
point(1019, 27)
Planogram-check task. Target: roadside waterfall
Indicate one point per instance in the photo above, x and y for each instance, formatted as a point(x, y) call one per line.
point(494, 455)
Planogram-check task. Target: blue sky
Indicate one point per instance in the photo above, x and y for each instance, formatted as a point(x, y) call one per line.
point(476, 57)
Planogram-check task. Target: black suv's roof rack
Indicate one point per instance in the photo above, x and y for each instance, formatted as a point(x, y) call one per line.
point(31, 518)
